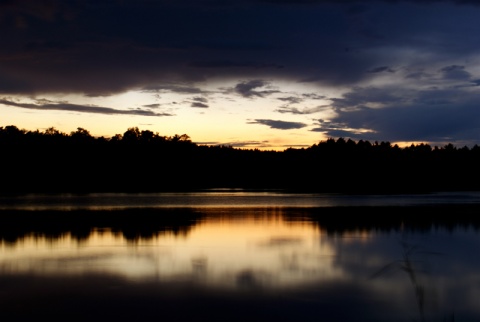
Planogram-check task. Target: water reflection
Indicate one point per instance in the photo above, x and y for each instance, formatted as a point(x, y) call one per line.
point(237, 198)
point(240, 251)
point(237, 264)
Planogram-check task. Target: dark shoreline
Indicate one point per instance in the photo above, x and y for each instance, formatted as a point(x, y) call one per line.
point(142, 161)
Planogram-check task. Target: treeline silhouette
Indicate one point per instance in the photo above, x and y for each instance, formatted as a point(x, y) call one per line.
point(144, 161)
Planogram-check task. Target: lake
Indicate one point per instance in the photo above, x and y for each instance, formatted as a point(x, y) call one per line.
point(234, 255)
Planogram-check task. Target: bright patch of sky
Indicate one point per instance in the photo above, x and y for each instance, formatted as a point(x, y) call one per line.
point(218, 113)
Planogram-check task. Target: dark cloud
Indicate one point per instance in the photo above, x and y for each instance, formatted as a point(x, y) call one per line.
point(248, 89)
point(199, 105)
point(435, 97)
point(418, 75)
point(361, 97)
point(180, 89)
point(430, 115)
point(381, 69)
point(65, 106)
point(280, 125)
point(104, 47)
point(455, 72)
point(151, 105)
point(328, 126)
point(313, 96)
point(200, 99)
point(231, 64)
point(290, 99)
point(334, 129)
point(199, 102)
point(476, 82)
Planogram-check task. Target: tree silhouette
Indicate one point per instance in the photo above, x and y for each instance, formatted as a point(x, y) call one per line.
point(141, 160)
point(131, 135)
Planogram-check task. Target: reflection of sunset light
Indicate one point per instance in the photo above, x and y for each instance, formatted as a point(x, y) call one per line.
point(240, 251)
point(356, 236)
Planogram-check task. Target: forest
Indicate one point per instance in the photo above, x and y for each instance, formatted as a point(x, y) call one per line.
point(143, 161)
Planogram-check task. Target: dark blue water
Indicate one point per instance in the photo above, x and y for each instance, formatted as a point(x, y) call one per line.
point(249, 257)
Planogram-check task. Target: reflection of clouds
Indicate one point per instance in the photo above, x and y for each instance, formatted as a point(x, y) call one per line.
point(229, 253)
point(265, 254)
point(268, 254)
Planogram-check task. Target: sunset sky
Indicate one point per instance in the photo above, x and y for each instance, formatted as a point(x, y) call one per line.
point(268, 74)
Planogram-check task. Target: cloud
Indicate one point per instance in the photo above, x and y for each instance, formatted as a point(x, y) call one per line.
point(304, 111)
point(199, 102)
point(338, 129)
point(360, 97)
point(476, 82)
point(280, 125)
point(152, 105)
point(428, 115)
point(313, 96)
point(418, 75)
point(200, 105)
point(380, 70)
point(232, 64)
point(179, 89)
point(247, 89)
point(65, 106)
point(200, 99)
point(455, 72)
point(107, 47)
point(290, 99)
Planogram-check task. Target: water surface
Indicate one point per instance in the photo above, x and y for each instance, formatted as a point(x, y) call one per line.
point(208, 261)
point(227, 198)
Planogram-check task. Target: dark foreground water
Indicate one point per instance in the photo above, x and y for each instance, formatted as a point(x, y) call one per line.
point(278, 257)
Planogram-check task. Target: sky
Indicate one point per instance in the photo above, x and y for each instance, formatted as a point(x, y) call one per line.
point(266, 74)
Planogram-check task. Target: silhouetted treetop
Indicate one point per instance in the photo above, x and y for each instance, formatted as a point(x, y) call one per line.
point(141, 160)
point(12, 134)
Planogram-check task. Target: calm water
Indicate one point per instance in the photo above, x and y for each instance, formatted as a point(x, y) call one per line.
point(226, 198)
point(248, 256)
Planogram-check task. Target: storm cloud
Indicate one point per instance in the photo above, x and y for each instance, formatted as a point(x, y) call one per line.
point(105, 47)
point(429, 115)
